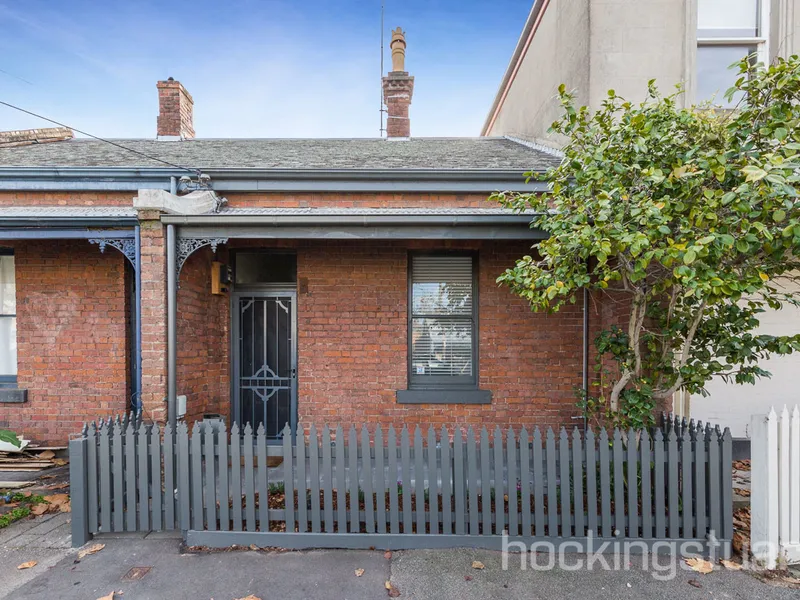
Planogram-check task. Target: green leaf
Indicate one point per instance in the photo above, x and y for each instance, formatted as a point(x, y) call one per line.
point(689, 257)
point(779, 215)
point(754, 173)
point(781, 133)
point(10, 438)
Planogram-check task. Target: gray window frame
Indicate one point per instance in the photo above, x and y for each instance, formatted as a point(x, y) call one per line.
point(440, 383)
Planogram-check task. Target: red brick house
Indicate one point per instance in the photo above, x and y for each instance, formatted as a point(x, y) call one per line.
point(272, 281)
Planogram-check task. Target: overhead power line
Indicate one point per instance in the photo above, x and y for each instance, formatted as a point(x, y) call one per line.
point(121, 146)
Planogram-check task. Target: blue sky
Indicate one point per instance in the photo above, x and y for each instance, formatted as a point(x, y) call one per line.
point(256, 68)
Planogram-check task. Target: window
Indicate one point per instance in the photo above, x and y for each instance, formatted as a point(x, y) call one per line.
point(265, 268)
point(8, 319)
point(727, 31)
point(442, 323)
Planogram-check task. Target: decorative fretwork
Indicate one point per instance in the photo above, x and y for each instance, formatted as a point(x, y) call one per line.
point(187, 246)
point(125, 245)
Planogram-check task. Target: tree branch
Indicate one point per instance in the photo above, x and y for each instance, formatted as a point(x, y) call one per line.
point(687, 346)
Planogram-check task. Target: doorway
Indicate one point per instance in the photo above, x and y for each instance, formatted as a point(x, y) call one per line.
point(264, 340)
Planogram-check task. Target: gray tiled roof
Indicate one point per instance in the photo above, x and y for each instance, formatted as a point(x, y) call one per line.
point(56, 212)
point(416, 153)
point(358, 211)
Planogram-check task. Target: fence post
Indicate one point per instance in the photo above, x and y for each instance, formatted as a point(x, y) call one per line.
point(78, 490)
point(764, 482)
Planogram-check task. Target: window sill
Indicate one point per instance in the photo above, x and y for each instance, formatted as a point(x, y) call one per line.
point(13, 396)
point(444, 397)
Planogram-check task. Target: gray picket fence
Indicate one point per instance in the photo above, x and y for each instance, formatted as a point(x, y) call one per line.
point(389, 489)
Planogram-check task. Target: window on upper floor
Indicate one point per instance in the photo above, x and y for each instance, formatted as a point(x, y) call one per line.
point(727, 31)
point(8, 319)
point(442, 321)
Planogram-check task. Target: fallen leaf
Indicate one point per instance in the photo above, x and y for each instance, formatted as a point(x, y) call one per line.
point(57, 498)
point(729, 564)
point(695, 583)
point(47, 455)
point(699, 565)
point(40, 509)
point(65, 507)
point(253, 547)
point(744, 493)
point(109, 596)
point(249, 597)
point(476, 564)
point(359, 572)
point(387, 555)
point(27, 565)
point(59, 462)
point(47, 477)
point(391, 590)
point(93, 549)
point(467, 577)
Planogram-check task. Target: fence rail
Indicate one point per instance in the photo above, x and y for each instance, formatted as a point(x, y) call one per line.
point(384, 488)
point(775, 483)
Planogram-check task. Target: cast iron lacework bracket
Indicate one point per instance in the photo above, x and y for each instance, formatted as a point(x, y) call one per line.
point(187, 246)
point(125, 245)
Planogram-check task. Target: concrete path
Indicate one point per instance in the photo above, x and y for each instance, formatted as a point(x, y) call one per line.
point(165, 572)
point(45, 539)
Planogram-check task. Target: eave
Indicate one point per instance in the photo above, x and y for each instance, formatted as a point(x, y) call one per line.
point(479, 181)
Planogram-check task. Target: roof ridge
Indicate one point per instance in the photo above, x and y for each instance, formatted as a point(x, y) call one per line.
point(535, 146)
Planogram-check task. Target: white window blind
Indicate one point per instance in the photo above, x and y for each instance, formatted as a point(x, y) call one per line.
point(8, 317)
point(442, 320)
point(727, 18)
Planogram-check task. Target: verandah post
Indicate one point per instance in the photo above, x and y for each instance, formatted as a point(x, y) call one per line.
point(79, 492)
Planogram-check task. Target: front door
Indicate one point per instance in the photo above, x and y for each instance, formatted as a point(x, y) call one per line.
point(264, 363)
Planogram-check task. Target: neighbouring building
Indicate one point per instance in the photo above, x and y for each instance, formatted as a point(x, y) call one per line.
point(272, 281)
point(595, 45)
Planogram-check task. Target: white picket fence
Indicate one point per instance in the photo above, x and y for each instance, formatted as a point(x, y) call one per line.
point(775, 497)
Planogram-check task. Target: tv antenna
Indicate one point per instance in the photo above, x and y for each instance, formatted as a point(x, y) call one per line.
point(382, 110)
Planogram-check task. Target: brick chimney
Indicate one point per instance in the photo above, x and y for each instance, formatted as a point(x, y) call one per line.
point(398, 87)
point(175, 110)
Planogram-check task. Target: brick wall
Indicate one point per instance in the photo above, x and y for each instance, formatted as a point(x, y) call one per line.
point(72, 344)
point(154, 320)
point(203, 322)
point(66, 199)
point(352, 327)
point(358, 200)
point(352, 340)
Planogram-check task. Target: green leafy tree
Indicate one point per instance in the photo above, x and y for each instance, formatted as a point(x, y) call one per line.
point(688, 220)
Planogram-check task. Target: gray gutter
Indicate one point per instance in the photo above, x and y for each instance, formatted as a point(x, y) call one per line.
point(274, 180)
point(392, 227)
point(54, 233)
point(32, 222)
point(408, 220)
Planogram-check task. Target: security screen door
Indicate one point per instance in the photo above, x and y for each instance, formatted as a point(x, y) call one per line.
point(265, 370)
